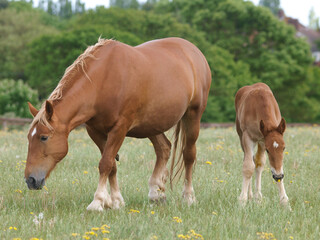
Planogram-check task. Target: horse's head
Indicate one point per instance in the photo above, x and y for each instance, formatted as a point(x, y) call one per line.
point(48, 144)
point(275, 146)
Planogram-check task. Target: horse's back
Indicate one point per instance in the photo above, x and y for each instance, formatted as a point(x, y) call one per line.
point(157, 81)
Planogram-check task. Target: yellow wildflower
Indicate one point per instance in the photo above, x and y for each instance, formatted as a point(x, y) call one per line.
point(104, 226)
point(177, 219)
point(152, 212)
point(134, 211)
point(85, 172)
point(18, 191)
point(95, 229)
point(86, 237)
point(75, 234)
point(208, 162)
point(214, 213)
point(105, 231)
point(290, 237)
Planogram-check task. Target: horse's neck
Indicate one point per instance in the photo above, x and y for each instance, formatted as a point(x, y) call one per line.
point(76, 105)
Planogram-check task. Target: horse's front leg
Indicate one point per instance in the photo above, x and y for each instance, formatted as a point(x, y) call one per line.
point(108, 169)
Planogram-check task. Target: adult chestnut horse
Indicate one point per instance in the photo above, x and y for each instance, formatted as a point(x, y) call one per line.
point(259, 121)
point(118, 91)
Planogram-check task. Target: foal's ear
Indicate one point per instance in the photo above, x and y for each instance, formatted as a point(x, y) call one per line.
point(263, 129)
point(32, 109)
point(49, 109)
point(282, 126)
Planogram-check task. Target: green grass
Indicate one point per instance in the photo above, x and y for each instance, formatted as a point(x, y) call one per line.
point(216, 215)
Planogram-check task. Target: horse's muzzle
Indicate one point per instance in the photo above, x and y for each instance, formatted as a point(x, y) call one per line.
point(277, 177)
point(35, 184)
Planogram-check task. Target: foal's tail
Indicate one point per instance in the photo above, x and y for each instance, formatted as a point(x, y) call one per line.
point(179, 138)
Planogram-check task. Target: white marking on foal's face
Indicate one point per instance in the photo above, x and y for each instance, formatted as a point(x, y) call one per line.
point(275, 144)
point(34, 132)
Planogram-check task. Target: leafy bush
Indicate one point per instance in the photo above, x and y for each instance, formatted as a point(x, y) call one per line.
point(14, 96)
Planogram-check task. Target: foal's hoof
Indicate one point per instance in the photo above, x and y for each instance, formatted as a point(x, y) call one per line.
point(95, 205)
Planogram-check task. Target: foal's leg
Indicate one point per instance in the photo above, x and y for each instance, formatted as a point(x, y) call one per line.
point(247, 168)
point(108, 169)
point(282, 193)
point(191, 125)
point(259, 160)
point(162, 147)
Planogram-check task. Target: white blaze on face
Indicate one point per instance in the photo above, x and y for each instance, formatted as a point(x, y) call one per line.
point(275, 144)
point(34, 132)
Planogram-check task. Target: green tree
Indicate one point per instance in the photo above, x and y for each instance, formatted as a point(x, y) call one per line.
point(17, 29)
point(273, 5)
point(65, 9)
point(314, 21)
point(125, 4)
point(14, 96)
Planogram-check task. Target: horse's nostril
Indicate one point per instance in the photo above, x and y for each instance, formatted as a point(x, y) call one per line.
point(278, 177)
point(32, 180)
point(34, 184)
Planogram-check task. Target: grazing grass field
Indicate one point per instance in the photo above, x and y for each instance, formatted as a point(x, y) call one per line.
point(59, 210)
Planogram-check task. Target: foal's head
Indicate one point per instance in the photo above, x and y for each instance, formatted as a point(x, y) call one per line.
point(275, 146)
point(48, 144)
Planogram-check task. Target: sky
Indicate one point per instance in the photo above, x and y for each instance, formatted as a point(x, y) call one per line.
point(293, 8)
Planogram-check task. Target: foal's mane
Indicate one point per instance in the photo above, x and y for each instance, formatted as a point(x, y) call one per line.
point(66, 80)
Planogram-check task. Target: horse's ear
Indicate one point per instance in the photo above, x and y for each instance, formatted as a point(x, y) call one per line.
point(262, 128)
point(32, 109)
point(49, 109)
point(282, 126)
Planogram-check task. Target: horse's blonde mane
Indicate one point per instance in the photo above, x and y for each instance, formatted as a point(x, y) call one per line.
point(78, 65)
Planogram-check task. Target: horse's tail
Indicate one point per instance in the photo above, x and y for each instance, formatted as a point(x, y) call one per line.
point(179, 138)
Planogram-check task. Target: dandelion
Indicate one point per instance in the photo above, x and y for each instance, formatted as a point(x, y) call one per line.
point(18, 191)
point(104, 226)
point(134, 211)
point(152, 212)
point(75, 234)
point(287, 153)
point(177, 219)
point(154, 237)
point(13, 228)
point(85, 172)
point(86, 237)
point(106, 238)
point(290, 237)
point(105, 231)
point(16, 238)
point(95, 229)
point(208, 162)
point(31, 213)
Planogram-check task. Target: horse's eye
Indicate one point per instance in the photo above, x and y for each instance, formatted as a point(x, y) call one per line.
point(267, 150)
point(43, 138)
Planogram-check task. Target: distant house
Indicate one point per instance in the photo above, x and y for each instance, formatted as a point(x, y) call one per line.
point(311, 35)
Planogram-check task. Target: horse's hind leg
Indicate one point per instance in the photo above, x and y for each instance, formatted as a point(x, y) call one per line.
point(162, 147)
point(247, 168)
point(191, 126)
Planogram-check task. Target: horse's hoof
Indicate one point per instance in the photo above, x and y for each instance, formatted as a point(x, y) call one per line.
point(95, 205)
point(189, 198)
